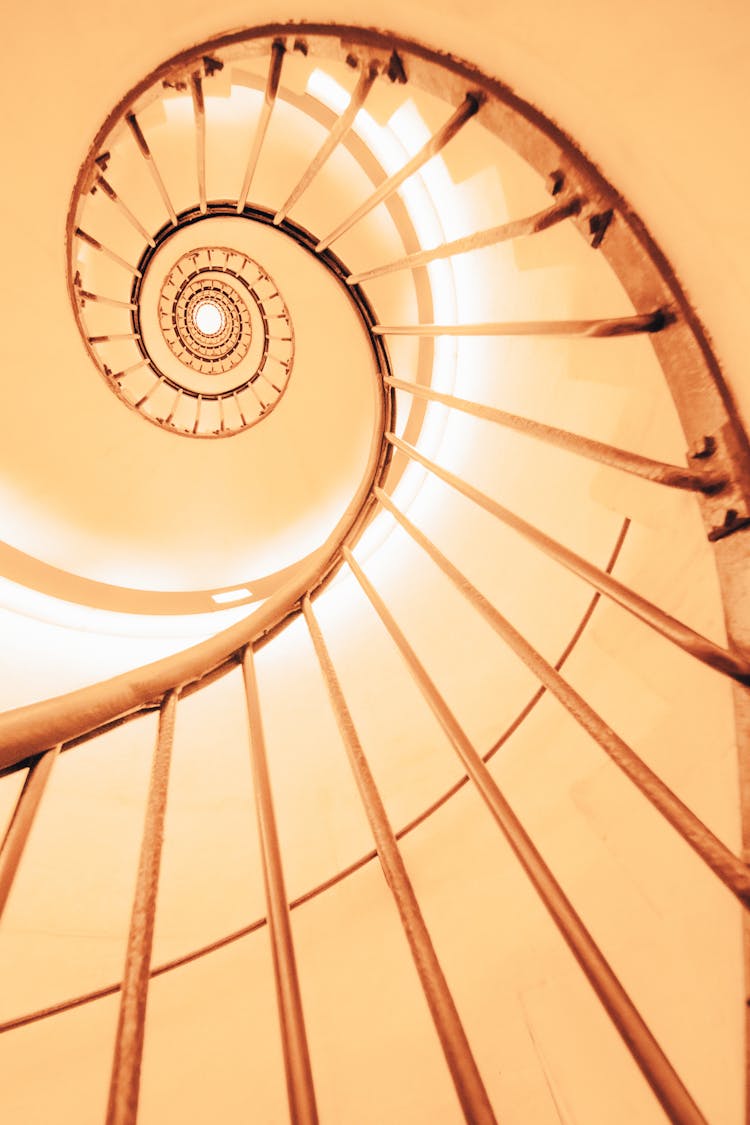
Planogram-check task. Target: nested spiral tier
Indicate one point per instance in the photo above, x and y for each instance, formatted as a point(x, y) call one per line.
point(220, 312)
point(227, 329)
point(203, 316)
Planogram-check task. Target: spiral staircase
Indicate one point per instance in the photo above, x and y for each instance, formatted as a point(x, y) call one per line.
point(425, 443)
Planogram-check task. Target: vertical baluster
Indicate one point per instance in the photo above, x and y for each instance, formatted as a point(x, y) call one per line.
point(432, 147)
point(340, 129)
point(126, 1067)
point(110, 193)
point(97, 245)
point(269, 100)
point(732, 871)
point(22, 821)
point(596, 329)
point(199, 113)
point(655, 1066)
point(458, 1054)
point(517, 228)
point(730, 663)
point(300, 1089)
point(660, 472)
point(147, 155)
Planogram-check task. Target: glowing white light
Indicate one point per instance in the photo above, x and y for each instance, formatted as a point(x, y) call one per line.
point(23, 603)
point(231, 595)
point(208, 318)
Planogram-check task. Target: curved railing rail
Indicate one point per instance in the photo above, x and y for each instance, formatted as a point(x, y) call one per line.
point(30, 730)
point(352, 868)
point(718, 476)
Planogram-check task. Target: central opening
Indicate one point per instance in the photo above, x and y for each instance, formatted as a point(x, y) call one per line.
point(208, 318)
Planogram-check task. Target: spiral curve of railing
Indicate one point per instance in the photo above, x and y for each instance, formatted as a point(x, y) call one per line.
point(717, 473)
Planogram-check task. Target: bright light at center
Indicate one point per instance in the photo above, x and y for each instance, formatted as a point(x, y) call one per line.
point(208, 318)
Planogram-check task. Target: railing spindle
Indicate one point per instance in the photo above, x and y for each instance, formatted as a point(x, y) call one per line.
point(147, 155)
point(663, 623)
point(299, 1080)
point(269, 98)
point(22, 820)
point(338, 132)
point(464, 1072)
point(127, 370)
point(154, 387)
point(199, 113)
point(593, 329)
point(675, 476)
point(175, 403)
point(465, 111)
point(198, 407)
point(95, 244)
point(239, 408)
point(113, 336)
point(110, 193)
point(728, 867)
point(124, 1087)
point(506, 232)
point(98, 298)
point(655, 1066)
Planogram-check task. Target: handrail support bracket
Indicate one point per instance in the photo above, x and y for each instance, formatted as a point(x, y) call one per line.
point(725, 510)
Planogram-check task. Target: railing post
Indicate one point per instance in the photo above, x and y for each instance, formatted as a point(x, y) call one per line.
point(269, 98)
point(733, 872)
point(655, 1066)
point(131, 1025)
point(722, 660)
point(436, 144)
point(22, 821)
point(299, 1080)
point(339, 130)
point(458, 1054)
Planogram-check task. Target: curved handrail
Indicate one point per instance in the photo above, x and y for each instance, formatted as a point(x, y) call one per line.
point(32, 729)
point(355, 865)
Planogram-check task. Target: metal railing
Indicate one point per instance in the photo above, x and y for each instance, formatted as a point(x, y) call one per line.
point(33, 737)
